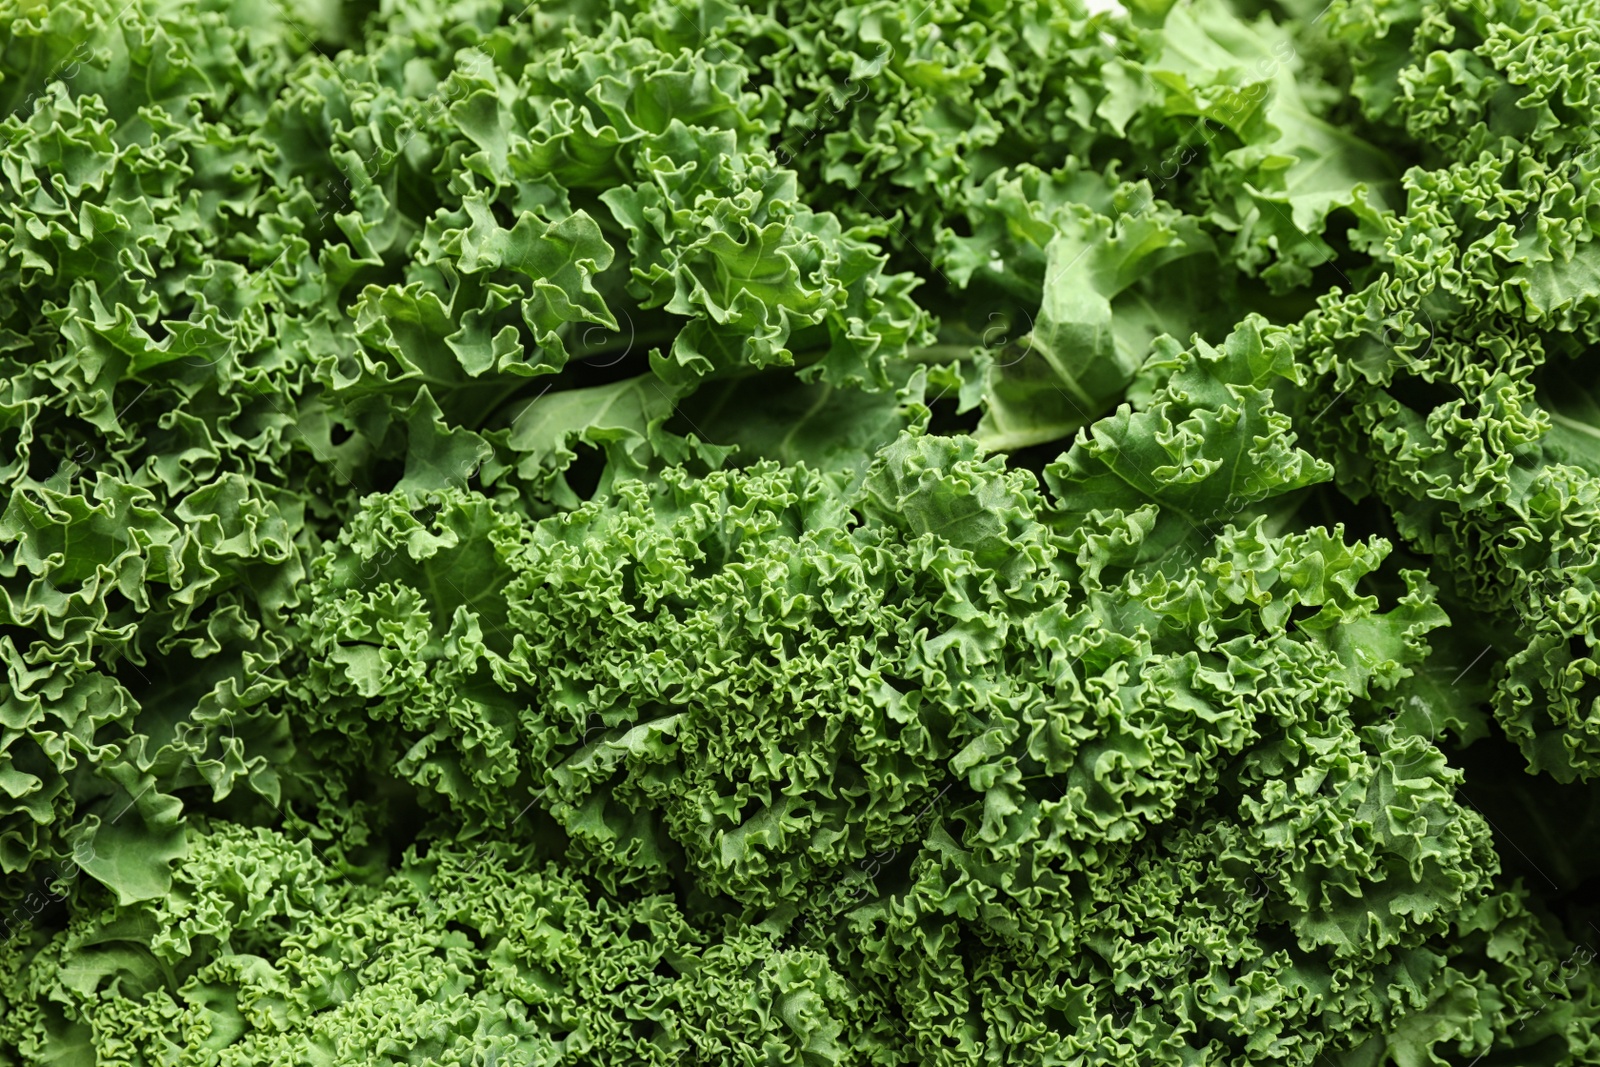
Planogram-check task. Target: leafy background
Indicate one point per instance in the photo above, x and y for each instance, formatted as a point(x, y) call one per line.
point(798, 533)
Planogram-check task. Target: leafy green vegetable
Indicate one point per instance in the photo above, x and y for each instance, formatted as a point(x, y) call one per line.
point(1456, 387)
point(821, 532)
